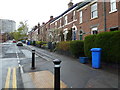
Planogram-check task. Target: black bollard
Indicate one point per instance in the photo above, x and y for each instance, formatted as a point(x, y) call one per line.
point(33, 59)
point(57, 74)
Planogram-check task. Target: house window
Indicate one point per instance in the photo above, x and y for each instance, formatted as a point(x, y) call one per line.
point(60, 23)
point(65, 34)
point(113, 5)
point(81, 35)
point(80, 16)
point(65, 20)
point(55, 24)
point(94, 30)
point(73, 15)
point(113, 28)
point(94, 12)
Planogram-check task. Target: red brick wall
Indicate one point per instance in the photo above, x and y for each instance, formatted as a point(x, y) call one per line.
point(111, 19)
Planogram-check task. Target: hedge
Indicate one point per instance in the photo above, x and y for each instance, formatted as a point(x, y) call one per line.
point(64, 45)
point(108, 41)
point(77, 48)
point(74, 47)
point(88, 44)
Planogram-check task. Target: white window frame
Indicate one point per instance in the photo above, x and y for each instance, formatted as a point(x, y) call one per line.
point(65, 32)
point(80, 16)
point(94, 29)
point(93, 11)
point(60, 22)
point(55, 24)
point(74, 17)
point(113, 7)
point(65, 20)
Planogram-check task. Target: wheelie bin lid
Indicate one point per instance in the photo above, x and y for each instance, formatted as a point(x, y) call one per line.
point(96, 49)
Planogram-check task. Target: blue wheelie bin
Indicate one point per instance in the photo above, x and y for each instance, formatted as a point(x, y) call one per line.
point(83, 59)
point(96, 57)
point(28, 43)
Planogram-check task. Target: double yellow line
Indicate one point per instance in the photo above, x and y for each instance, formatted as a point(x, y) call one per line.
point(14, 82)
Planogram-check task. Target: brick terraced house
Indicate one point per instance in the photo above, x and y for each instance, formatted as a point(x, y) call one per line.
point(80, 20)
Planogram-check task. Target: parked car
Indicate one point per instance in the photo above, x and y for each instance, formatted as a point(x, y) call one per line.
point(19, 43)
point(14, 41)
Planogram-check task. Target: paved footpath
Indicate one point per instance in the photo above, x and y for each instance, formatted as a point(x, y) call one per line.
point(73, 73)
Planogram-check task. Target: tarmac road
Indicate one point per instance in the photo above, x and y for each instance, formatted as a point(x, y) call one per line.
point(10, 73)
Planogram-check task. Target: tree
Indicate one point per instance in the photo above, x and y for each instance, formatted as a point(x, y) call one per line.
point(23, 27)
point(21, 32)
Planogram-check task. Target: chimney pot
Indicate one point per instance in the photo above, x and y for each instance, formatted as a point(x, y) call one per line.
point(51, 17)
point(70, 4)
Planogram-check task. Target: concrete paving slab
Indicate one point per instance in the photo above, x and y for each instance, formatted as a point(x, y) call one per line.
point(29, 85)
point(27, 81)
point(44, 79)
point(26, 78)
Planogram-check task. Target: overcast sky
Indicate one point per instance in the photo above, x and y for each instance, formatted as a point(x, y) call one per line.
point(32, 10)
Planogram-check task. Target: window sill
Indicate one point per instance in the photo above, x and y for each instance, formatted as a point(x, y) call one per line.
point(74, 20)
point(94, 18)
point(80, 22)
point(113, 11)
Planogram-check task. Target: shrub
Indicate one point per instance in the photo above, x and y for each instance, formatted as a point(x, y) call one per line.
point(108, 41)
point(44, 46)
point(31, 42)
point(77, 48)
point(64, 45)
point(38, 42)
point(88, 44)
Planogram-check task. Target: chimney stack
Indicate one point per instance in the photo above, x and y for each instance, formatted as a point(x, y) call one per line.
point(43, 23)
point(38, 24)
point(51, 17)
point(70, 4)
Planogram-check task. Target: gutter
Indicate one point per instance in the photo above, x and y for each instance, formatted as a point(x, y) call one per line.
point(104, 9)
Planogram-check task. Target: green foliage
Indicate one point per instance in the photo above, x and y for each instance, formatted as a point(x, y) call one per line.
point(31, 42)
point(21, 32)
point(64, 45)
point(108, 41)
point(16, 35)
point(77, 48)
point(43, 42)
point(88, 44)
point(38, 42)
point(44, 46)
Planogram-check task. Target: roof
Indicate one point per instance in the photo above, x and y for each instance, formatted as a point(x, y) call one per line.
point(64, 12)
point(83, 4)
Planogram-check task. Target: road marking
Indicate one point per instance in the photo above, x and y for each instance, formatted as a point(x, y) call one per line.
point(14, 84)
point(8, 78)
point(21, 68)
